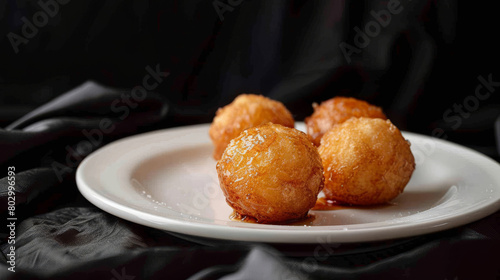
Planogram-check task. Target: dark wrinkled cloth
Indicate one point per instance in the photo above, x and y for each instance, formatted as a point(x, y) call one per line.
point(46, 146)
point(66, 91)
point(85, 243)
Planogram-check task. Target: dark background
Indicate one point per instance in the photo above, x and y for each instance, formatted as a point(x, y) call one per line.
point(423, 69)
point(425, 60)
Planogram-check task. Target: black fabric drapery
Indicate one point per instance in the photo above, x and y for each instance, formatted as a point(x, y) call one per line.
point(98, 71)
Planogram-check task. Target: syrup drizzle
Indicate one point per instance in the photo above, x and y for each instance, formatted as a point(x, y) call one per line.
point(324, 204)
point(305, 221)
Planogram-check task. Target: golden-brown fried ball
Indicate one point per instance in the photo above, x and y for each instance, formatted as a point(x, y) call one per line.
point(338, 110)
point(247, 110)
point(366, 161)
point(271, 173)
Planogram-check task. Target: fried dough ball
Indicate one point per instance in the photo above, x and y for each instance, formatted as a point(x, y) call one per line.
point(366, 161)
point(338, 110)
point(271, 173)
point(247, 110)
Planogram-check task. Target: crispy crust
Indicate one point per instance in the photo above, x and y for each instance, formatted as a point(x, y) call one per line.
point(366, 161)
point(271, 173)
point(338, 110)
point(247, 110)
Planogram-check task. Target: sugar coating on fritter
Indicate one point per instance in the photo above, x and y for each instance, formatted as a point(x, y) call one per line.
point(271, 173)
point(247, 110)
point(338, 110)
point(366, 161)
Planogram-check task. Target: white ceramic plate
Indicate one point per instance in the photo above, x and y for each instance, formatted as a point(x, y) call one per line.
point(167, 180)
